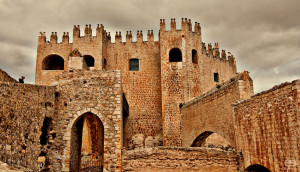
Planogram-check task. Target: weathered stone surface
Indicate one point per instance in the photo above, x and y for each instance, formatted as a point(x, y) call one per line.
point(267, 128)
point(4, 77)
point(179, 159)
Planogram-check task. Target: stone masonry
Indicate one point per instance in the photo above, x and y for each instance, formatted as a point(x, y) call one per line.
point(145, 106)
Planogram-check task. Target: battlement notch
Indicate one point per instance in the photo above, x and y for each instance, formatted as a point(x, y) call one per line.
point(100, 30)
point(53, 38)
point(88, 30)
point(216, 52)
point(139, 36)
point(42, 37)
point(173, 24)
point(118, 37)
point(76, 31)
point(150, 36)
point(162, 25)
point(128, 36)
point(65, 37)
point(197, 28)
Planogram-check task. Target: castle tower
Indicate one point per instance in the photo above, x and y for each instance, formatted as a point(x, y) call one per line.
point(179, 64)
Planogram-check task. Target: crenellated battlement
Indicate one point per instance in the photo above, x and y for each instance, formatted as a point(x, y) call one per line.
point(186, 25)
point(214, 52)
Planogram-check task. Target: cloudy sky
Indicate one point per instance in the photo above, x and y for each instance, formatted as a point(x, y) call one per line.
point(264, 36)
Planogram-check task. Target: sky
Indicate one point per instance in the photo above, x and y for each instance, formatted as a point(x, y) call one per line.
point(263, 36)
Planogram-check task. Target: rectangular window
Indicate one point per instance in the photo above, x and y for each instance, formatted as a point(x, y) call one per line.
point(216, 77)
point(134, 64)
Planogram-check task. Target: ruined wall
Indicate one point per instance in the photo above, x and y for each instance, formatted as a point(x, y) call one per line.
point(267, 128)
point(4, 77)
point(179, 159)
point(212, 111)
point(23, 108)
point(80, 92)
point(141, 88)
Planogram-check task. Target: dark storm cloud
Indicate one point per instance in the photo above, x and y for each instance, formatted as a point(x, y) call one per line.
point(262, 35)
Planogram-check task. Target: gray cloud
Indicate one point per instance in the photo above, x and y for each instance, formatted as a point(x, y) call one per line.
point(262, 35)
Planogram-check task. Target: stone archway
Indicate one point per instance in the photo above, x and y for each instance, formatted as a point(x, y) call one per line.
point(87, 143)
point(212, 140)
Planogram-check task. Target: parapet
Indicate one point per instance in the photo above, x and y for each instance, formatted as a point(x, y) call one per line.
point(215, 53)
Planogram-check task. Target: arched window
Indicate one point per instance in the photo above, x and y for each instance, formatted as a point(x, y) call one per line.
point(89, 60)
point(175, 55)
point(194, 56)
point(134, 64)
point(53, 62)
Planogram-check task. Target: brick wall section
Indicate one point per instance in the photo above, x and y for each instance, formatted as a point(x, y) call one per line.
point(142, 88)
point(268, 127)
point(79, 92)
point(23, 108)
point(4, 77)
point(212, 111)
point(179, 159)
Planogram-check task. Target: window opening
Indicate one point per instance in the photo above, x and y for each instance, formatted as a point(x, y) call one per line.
point(134, 64)
point(53, 62)
point(175, 55)
point(194, 56)
point(216, 77)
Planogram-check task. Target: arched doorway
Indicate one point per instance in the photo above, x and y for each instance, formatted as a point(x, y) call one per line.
point(257, 168)
point(211, 140)
point(87, 143)
point(53, 62)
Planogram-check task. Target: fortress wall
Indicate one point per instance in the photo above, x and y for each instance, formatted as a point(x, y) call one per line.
point(268, 128)
point(23, 108)
point(142, 88)
point(4, 77)
point(211, 65)
point(95, 92)
point(174, 159)
point(212, 111)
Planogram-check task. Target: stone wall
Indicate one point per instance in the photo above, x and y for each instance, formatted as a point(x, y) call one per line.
point(212, 112)
point(81, 92)
point(268, 128)
point(4, 77)
point(23, 108)
point(174, 159)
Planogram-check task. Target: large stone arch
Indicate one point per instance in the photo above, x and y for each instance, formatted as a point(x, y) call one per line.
point(68, 136)
point(257, 168)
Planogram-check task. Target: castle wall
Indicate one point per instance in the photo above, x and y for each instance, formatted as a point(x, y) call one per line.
point(141, 88)
point(267, 128)
point(211, 112)
point(180, 159)
point(4, 77)
point(23, 108)
point(81, 92)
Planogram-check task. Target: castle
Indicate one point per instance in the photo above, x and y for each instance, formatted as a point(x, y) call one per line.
point(95, 100)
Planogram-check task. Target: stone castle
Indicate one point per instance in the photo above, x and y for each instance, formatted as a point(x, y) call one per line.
point(145, 105)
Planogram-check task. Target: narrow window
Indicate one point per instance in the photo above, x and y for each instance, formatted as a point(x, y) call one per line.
point(134, 64)
point(194, 56)
point(89, 60)
point(216, 77)
point(104, 64)
point(175, 55)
